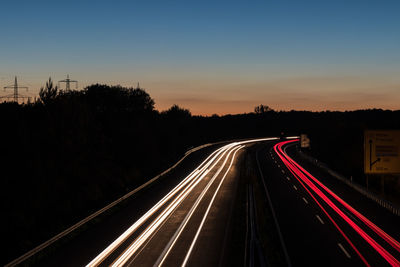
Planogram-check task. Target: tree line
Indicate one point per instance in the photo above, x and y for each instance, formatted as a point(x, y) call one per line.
point(71, 152)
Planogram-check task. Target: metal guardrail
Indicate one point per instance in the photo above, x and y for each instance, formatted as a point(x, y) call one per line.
point(44, 245)
point(380, 201)
point(278, 229)
point(74, 227)
point(253, 245)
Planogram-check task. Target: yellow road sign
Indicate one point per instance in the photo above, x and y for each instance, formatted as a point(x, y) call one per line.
point(381, 151)
point(304, 141)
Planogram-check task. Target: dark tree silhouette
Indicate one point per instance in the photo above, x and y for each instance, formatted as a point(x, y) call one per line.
point(105, 97)
point(176, 112)
point(48, 93)
point(260, 109)
point(75, 151)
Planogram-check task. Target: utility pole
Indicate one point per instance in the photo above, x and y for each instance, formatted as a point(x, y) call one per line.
point(16, 95)
point(68, 82)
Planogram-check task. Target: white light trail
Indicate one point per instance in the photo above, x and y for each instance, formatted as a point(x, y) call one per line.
point(176, 196)
point(106, 252)
point(208, 210)
point(175, 237)
point(154, 226)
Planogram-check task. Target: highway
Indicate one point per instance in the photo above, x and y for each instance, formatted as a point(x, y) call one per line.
point(186, 225)
point(172, 228)
point(243, 203)
point(322, 222)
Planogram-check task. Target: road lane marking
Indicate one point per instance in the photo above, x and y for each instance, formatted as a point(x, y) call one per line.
point(288, 263)
point(287, 177)
point(312, 182)
point(178, 232)
point(194, 177)
point(319, 219)
point(305, 200)
point(351, 216)
point(295, 188)
point(186, 185)
point(127, 254)
point(345, 252)
point(208, 209)
point(283, 171)
point(279, 165)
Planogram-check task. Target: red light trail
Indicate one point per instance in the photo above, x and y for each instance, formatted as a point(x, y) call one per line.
point(305, 178)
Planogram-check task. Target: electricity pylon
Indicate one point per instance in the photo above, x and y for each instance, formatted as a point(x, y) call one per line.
point(67, 82)
point(16, 95)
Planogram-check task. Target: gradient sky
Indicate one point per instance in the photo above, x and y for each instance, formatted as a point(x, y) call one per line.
point(212, 56)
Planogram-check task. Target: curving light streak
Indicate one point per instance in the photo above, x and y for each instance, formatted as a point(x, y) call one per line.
point(201, 169)
point(176, 196)
point(372, 226)
point(327, 214)
point(157, 222)
point(208, 210)
point(178, 232)
point(301, 176)
point(390, 240)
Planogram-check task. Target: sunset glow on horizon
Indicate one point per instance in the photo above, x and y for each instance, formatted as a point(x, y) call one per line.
point(212, 58)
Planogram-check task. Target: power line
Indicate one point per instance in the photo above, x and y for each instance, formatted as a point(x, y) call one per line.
point(68, 82)
point(15, 96)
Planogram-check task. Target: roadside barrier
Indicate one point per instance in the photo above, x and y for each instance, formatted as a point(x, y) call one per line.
point(382, 202)
point(74, 227)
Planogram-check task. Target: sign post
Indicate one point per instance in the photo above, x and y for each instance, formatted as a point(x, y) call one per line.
point(381, 153)
point(304, 141)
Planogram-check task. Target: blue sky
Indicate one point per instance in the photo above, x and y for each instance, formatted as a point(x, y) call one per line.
point(212, 56)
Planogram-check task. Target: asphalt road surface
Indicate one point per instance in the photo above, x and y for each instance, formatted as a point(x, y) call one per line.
point(179, 221)
point(186, 218)
point(324, 222)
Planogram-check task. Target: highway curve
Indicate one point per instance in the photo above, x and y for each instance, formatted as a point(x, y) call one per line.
point(324, 222)
point(245, 203)
point(182, 220)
